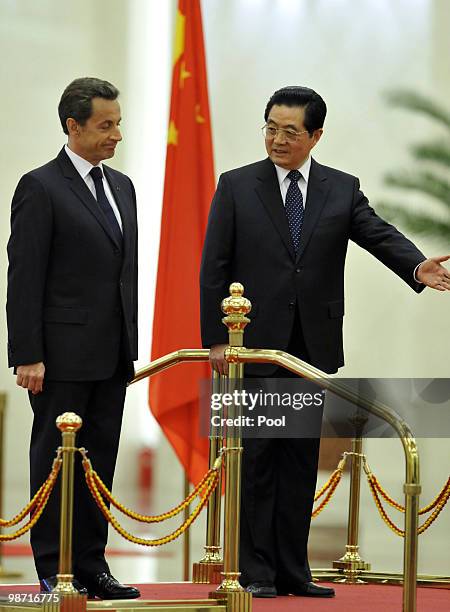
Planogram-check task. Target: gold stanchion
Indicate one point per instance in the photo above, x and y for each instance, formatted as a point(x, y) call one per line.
point(186, 535)
point(412, 491)
point(68, 423)
point(3, 573)
point(351, 563)
point(208, 570)
point(235, 307)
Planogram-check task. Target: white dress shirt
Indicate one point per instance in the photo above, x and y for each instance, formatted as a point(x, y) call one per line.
point(302, 182)
point(83, 168)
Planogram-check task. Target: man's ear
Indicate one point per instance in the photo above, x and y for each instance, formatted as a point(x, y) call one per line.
point(317, 135)
point(72, 127)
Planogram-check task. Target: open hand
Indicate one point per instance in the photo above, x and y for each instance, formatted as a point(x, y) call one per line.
point(433, 274)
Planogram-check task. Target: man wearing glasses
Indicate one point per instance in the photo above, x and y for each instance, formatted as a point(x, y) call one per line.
point(281, 227)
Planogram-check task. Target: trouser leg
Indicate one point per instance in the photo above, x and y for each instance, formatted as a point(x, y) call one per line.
point(55, 399)
point(100, 436)
point(257, 557)
point(100, 405)
point(278, 485)
point(298, 460)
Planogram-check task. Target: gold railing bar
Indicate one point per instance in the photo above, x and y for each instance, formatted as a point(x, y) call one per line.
point(302, 368)
point(169, 360)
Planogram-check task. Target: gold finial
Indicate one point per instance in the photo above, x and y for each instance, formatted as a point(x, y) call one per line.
point(236, 306)
point(69, 421)
point(236, 289)
point(236, 303)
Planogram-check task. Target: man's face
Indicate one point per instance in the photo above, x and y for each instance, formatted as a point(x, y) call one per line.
point(281, 149)
point(96, 140)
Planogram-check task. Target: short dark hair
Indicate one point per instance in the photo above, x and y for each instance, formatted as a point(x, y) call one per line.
point(295, 95)
point(76, 101)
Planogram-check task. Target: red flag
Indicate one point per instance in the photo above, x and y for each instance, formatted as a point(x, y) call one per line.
point(188, 190)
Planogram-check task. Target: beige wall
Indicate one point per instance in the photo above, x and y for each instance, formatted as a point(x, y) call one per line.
point(351, 53)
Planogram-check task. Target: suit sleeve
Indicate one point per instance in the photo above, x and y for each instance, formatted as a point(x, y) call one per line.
point(28, 253)
point(216, 265)
point(384, 241)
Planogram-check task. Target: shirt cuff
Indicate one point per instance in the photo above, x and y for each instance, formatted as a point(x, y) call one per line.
point(415, 274)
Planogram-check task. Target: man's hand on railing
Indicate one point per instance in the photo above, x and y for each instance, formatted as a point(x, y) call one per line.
point(217, 358)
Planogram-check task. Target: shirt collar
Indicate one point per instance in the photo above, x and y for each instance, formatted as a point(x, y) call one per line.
point(82, 165)
point(304, 171)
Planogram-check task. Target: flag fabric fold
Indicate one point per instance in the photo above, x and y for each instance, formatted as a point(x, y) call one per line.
point(188, 190)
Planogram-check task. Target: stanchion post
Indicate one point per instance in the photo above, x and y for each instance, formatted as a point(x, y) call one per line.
point(3, 573)
point(187, 533)
point(351, 563)
point(235, 308)
point(68, 423)
point(412, 490)
point(208, 570)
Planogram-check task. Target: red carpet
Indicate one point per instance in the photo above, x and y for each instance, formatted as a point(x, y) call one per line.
point(365, 598)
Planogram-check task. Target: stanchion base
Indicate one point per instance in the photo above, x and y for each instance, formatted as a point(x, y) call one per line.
point(64, 586)
point(207, 573)
point(235, 601)
point(351, 566)
point(350, 579)
point(423, 580)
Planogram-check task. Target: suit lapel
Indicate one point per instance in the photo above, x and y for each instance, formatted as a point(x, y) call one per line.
point(318, 188)
point(268, 190)
point(82, 191)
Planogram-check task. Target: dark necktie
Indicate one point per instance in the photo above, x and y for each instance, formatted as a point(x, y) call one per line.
point(103, 202)
point(294, 208)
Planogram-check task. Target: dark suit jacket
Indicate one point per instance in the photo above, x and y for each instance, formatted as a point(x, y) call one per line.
point(72, 290)
point(248, 240)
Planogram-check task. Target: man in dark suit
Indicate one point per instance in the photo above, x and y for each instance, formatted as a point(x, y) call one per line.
point(72, 317)
point(281, 227)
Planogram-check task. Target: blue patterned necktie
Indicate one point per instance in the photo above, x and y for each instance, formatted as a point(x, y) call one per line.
point(103, 202)
point(294, 208)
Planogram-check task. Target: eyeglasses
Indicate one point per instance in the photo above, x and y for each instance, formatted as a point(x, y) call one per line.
point(291, 135)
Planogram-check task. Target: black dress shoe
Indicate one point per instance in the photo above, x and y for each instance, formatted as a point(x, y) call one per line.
point(261, 589)
point(105, 586)
point(48, 584)
point(306, 589)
